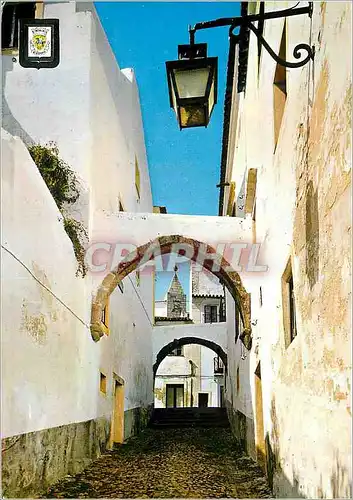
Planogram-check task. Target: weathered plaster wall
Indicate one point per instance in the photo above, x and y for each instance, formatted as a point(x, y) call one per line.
point(51, 366)
point(161, 390)
point(303, 207)
point(177, 370)
point(209, 382)
point(45, 318)
point(238, 386)
point(204, 282)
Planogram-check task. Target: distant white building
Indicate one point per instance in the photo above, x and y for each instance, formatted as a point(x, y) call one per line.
point(191, 375)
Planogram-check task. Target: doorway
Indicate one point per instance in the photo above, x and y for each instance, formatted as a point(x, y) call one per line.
point(117, 429)
point(203, 399)
point(260, 438)
point(175, 396)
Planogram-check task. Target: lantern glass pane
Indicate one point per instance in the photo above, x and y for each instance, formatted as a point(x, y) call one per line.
point(211, 98)
point(193, 116)
point(192, 82)
point(175, 106)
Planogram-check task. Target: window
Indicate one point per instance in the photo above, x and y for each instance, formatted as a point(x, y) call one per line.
point(288, 302)
point(11, 14)
point(218, 366)
point(210, 314)
point(103, 383)
point(280, 89)
point(137, 179)
point(179, 351)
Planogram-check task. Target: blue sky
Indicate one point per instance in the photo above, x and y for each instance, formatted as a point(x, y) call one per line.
point(164, 278)
point(184, 165)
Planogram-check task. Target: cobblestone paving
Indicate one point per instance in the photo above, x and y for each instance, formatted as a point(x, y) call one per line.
point(169, 463)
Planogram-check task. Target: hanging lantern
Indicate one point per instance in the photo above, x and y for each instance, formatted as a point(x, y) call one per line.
point(192, 84)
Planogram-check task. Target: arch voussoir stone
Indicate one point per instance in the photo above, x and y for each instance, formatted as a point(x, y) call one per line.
point(164, 245)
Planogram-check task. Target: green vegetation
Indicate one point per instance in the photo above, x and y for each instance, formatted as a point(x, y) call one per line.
point(63, 186)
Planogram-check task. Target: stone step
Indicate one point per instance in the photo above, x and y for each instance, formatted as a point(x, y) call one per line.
point(189, 423)
point(189, 417)
point(191, 420)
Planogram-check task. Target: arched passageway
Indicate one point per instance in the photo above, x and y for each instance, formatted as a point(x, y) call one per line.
point(163, 353)
point(194, 250)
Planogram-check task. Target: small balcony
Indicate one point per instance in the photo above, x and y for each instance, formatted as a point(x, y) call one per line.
point(218, 366)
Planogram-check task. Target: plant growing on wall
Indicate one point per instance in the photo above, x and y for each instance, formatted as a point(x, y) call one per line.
point(77, 233)
point(63, 186)
point(58, 176)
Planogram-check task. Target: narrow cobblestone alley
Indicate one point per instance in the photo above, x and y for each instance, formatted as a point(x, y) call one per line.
point(169, 463)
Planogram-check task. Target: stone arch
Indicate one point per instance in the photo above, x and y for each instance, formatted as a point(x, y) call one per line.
point(167, 349)
point(164, 245)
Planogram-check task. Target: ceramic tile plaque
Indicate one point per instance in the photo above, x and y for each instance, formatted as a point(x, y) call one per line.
point(39, 43)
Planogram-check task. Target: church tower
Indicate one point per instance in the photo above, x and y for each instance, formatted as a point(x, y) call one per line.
point(176, 298)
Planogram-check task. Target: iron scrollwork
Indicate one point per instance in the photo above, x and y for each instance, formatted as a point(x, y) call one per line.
point(297, 51)
point(247, 22)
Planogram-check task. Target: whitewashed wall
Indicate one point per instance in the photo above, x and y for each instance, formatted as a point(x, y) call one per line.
point(177, 370)
point(91, 110)
point(163, 335)
point(50, 366)
point(160, 308)
point(209, 382)
point(306, 388)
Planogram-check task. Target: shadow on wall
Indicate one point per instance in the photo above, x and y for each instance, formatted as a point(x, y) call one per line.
point(265, 449)
point(238, 385)
point(278, 481)
point(9, 122)
point(280, 484)
point(282, 487)
point(340, 483)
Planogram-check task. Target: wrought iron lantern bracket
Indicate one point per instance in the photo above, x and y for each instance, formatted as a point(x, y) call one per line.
point(248, 22)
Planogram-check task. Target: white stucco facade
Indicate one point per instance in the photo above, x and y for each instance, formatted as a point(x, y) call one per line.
point(91, 109)
point(160, 308)
point(163, 335)
point(300, 424)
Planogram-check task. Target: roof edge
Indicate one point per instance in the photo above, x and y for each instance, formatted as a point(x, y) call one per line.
point(241, 83)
